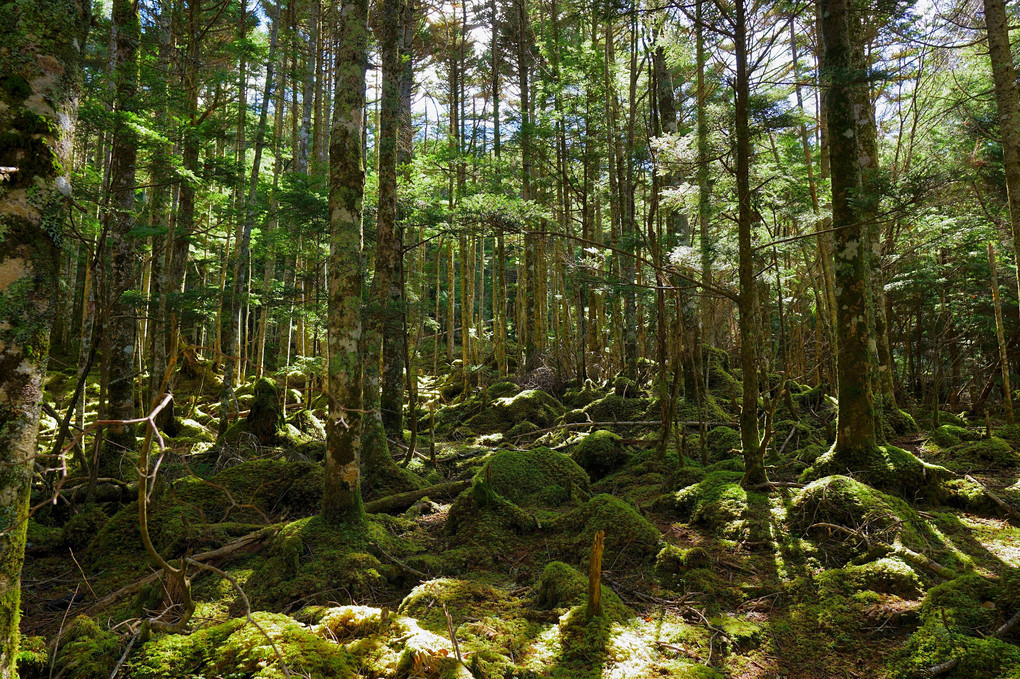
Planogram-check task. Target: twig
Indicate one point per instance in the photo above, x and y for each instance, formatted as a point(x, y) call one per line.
point(400, 564)
point(247, 607)
point(123, 657)
point(453, 634)
point(60, 632)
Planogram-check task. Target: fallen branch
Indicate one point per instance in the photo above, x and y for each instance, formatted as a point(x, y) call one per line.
point(634, 423)
point(1011, 512)
point(399, 564)
point(401, 501)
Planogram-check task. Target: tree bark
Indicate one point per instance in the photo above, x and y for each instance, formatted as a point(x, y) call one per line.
point(342, 486)
point(41, 76)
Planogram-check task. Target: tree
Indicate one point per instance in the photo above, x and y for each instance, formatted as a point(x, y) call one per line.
point(40, 79)
point(342, 497)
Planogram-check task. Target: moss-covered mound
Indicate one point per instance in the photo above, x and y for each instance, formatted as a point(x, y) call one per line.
point(886, 576)
point(888, 468)
point(240, 649)
point(958, 619)
point(718, 501)
point(672, 563)
point(579, 398)
point(989, 452)
point(313, 562)
point(722, 441)
point(628, 534)
point(860, 513)
point(87, 650)
point(82, 527)
point(533, 477)
point(562, 586)
point(949, 435)
point(617, 408)
point(484, 528)
point(600, 453)
point(532, 405)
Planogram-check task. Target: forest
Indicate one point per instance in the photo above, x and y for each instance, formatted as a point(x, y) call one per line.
point(493, 339)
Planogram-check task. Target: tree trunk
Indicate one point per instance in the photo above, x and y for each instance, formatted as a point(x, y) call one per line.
point(1000, 334)
point(342, 486)
point(37, 111)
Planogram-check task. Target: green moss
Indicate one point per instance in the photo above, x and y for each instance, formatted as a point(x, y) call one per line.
point(562, 586)
point(745, 634)
point(991, 451)
point(16, 88)
point(525, 477)
point(887, 468)
point(842, 501)
point(83, 526)
point(949, 435)
point(87, 651)
point(672, 562)
point(722, 441)
point(464, 599)
point(966, 494)
point(532, 405)
point(522, 429)
point(579, 398)
point(718, 502)
point(239, 649)
point(33, 659)
point(600, 453)
point(616, 408)
point(887, 576)
point(38, 535)
point(627, 533)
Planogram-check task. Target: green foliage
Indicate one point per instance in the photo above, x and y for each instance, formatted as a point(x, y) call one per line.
point(600, 453)
point(87, 651)
point(718, 501)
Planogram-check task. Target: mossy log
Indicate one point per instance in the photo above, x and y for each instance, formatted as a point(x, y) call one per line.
point(401, 501)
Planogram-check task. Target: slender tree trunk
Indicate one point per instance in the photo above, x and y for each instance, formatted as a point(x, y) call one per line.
point(37, 111)
point(754, 464)
point(855, 435)
point(120, 361)
point(342, 492)
point(1007, 102)
point(1000, 334)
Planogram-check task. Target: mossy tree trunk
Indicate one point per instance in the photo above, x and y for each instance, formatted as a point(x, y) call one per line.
point(379, 466)
point(846, 114)
point(39, 82)
point(1007, 102)
point(754, 463)
point(342, 492)
point(119, 370)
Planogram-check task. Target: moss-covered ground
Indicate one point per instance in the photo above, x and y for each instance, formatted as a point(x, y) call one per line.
point(701, 577)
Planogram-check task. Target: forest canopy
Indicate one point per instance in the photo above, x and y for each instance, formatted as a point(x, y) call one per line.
point(509, 338)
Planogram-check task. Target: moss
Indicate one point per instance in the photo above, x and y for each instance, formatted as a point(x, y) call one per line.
point(721, 441)
point(87, 651)
point(464, 599)
point(562, 586)
point(898, 422)
point(193, 432)
point(484, 532)
point(574, 417)
point(744, 634)
point(672, 562)
point(522, 429)
point(616, 408)
point(579, 398)
point(993, 451)
point(887, 468)
point(627, 533)
point(624, 387)
point(970, 496)
point(842, 501)
point(33, 659)
point(887, 576)
point(949, 435)
point(45, 537)
point(600, 453)
point(525, 477)
point(83, 526)
point(239, 649)
point(532, 405)
point(718, 501)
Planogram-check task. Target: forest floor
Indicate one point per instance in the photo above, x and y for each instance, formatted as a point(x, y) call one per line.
point(701, 577)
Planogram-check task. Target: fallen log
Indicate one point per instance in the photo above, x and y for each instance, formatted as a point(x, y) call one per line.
point(1010, 511)
point(401, 501)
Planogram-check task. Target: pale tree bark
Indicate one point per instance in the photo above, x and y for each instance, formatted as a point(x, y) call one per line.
point(342, 492)
point(120, 333)
point(855, 433)
point(1008, 105)
point(754, 463)
point(40, 80)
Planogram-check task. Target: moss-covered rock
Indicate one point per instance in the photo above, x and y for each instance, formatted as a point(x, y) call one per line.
point(532, 405)
point(579, 398)
point(673, 562)
point(39, 536)
point(886, 576)
point(87, 651)
point(238, 648)
point(562, 586)
point(265, 415)
point(887, 468)
point(949, 435)
point(718, 501)
point(989, 452)
point(79, 531)
point(533, 477)
point(860, 509)
point(616, 408)
point(308, 424)
point(600, 453)
point(522, 429)
point(722, 441)
point(627, 533)
point(192, 431)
